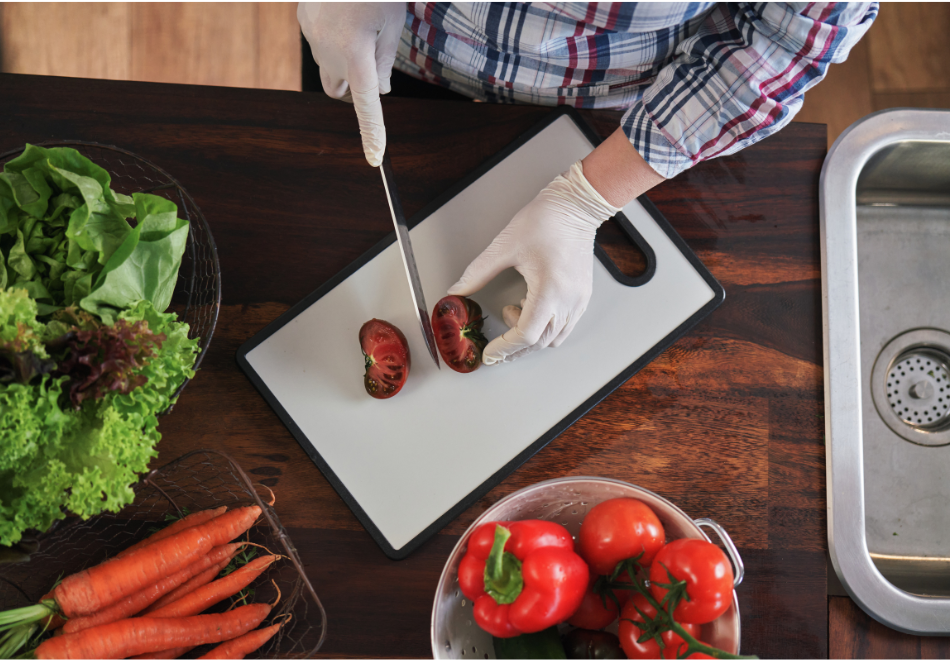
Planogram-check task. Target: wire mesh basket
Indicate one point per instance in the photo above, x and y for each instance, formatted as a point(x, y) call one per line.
point(198, 480)
point(197, 295)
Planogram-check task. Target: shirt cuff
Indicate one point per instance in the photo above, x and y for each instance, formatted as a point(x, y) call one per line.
point(652, 144)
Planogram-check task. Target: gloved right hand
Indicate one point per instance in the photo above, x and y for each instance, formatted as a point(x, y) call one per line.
point(551, 243)
point(354, 44)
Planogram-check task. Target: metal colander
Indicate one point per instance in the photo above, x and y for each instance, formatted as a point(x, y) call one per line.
point(566, 500)
point(197, 295)
point(198, 480)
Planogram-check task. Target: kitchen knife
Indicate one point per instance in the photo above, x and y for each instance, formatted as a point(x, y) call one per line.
point(408, 258)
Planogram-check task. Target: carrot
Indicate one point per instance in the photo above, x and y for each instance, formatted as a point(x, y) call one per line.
point(131, 605)
point(55, 621)
point(168, 653)
point(98, 587)
point(197, 581)
point(201, 599)
point(192, 519)
point(121, 639)
point(240, 646)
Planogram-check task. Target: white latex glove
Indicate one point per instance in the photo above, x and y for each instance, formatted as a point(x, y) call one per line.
point(354, 45)
point(551, 243)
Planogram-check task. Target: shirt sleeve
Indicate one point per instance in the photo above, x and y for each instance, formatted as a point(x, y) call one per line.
point(740, 78)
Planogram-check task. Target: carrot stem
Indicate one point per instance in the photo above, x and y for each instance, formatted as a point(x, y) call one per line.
point(15, 639)
point(27, 614)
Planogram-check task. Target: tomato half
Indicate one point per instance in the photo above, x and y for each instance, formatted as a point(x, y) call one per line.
point(457, 324)
point(619, 529)
point(708, 576)
point(629, 633)
point(386, 354)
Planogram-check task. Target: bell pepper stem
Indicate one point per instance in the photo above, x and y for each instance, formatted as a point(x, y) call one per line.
point(503, 578)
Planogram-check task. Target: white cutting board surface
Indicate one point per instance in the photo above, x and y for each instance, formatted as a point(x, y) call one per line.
point(409, 459)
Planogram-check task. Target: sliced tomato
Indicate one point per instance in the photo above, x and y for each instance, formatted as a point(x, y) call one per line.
point(386, 353)
point(457, 324)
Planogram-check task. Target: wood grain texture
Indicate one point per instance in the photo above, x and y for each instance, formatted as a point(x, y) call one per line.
point(278, 46)
point(844, 96)
point(853, 634)
point(86, 40)
point(195, 43)
point(941, 99)
point(724, 423)
point(909, 50)
point(228, 44)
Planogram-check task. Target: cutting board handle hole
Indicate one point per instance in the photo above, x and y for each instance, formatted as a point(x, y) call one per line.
point(624, 253)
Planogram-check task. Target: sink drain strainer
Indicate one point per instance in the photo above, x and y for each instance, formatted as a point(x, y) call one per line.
point(918, 390)
point(910, 385)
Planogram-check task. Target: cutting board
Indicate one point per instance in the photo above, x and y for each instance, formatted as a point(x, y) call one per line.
point(408, 465)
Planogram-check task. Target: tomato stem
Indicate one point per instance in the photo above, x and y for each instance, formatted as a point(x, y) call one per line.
point(503, 578)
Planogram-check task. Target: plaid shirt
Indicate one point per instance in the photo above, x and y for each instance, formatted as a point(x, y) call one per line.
point(698, 80)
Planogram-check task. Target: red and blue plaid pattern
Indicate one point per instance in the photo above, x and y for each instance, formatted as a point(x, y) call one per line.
point(698, 80)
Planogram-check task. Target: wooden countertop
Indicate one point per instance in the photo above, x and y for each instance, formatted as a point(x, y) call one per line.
point(726, 424)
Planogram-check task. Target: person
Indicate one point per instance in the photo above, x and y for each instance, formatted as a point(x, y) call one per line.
point(697, 80)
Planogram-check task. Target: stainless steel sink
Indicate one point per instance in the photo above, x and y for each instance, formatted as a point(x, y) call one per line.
point(885, 265)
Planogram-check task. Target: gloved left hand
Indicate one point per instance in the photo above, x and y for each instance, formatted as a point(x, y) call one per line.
point(551, 243)
point(355, 46)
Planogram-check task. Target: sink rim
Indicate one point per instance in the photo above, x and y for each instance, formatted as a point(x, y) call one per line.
point(847, 541)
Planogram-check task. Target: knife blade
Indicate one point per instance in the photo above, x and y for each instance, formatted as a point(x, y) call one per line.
point(408, 258)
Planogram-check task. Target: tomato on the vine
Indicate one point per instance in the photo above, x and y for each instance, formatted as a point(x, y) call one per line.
point(457, 325)
point(680, 650)
point(599, 609)
point(629, 633)
point(620, 529)
point(386, 357)
point(707, 573)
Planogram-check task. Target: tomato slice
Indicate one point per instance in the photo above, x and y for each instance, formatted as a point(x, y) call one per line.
point(457, 324)
point(386, 353)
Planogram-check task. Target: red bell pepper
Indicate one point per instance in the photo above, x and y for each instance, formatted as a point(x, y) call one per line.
point(522, 577)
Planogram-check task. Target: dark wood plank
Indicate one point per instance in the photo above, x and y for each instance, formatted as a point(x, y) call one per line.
point(724, 424)
point(780, 618)
point(854, 634)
